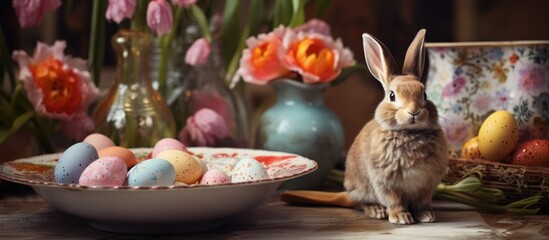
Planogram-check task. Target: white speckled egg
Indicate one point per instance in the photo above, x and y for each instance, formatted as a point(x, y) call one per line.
point(105, 171)
point(187, 169)
point(152, 172)
point(247, 170)
point(73, 161)
point(215, 176)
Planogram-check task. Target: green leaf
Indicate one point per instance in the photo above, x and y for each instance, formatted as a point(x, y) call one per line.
point(252, 28)
point(16, 125)
point(97, 40)
point(257, 16)
point(233, 64)
point(298, 17)
point(200, 18)
point(2, 70)
point(68, 7)
point(348, 72)
point(5, 60)
point(5, 117)
point(321, 6)
point(229, 28)
point(17, 93)
point(282, 13)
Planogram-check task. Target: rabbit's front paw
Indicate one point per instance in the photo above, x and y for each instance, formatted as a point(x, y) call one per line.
point(401, 218)
point(426, 216)
point(375, 211)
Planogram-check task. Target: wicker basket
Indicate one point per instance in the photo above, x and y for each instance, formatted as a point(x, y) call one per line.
point(516, 182)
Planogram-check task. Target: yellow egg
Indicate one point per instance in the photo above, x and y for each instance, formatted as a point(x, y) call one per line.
point(187, 169)
point(498, 136)
point(470, 149)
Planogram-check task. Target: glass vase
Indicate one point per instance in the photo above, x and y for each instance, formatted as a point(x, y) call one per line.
point(300, 123)
point(204, 88)
point(133, 114)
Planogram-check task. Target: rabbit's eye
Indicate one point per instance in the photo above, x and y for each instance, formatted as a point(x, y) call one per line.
point(392, 96)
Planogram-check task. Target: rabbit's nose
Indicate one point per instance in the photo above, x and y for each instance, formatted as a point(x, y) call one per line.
point(414, 113)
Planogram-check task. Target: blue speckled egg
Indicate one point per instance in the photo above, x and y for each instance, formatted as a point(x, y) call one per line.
point(152, 172)
point(73, 161)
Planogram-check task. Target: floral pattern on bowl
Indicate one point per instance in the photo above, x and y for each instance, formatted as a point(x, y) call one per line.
point(469, 81)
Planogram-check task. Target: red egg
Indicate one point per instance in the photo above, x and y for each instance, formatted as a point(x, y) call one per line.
point(532, 153)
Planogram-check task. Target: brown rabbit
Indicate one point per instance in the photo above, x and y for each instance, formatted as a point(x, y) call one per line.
point(399, 157)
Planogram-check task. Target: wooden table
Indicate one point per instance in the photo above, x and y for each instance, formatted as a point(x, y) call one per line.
point(24, 215)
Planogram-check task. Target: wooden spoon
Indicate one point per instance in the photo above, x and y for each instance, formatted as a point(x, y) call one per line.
point(318, 198)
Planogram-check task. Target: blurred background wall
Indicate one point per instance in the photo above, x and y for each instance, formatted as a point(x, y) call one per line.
point(394, 22)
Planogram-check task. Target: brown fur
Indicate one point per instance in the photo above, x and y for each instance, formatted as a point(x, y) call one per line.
point(397, 159)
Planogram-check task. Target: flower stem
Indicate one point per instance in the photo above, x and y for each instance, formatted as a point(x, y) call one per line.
point(5, 59)
point(38, 127)
point(165, 42)
point(139, 21)
point(97, 40)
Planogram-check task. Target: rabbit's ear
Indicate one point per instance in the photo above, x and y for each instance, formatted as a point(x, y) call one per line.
point(415, 56)
point(379, 60)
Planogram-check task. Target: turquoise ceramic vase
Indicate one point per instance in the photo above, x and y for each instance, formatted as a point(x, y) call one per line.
point(300, 123)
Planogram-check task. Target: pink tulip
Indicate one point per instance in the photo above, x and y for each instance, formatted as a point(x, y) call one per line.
point(160, 16)
point(31, 12)
point(198, 53)
point(204, 128)
point(184, 3)
point(58, 86)
point(314, 25)
point(120, 9)
point(262, 62)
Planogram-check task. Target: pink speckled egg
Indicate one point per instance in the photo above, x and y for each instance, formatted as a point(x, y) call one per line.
point(168, 144)
point(105, 171)
point(215, 176)
point(99, 141)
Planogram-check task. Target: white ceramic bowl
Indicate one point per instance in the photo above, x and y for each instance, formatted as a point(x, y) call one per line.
point(176, 208)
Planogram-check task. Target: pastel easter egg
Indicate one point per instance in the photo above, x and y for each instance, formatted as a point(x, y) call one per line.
point(202, 165)
point(99, 141)
point(214, 177)
point(248, 170)
point(152, 172)
point(73, 161)
point(120, 152)
point(105, 171)
point(168, 144)
point(498, 136)
point(187, 169)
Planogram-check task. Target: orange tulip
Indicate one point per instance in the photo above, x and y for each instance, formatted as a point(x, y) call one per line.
point(261, 61)
point(60, 87)
point(316, 57)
